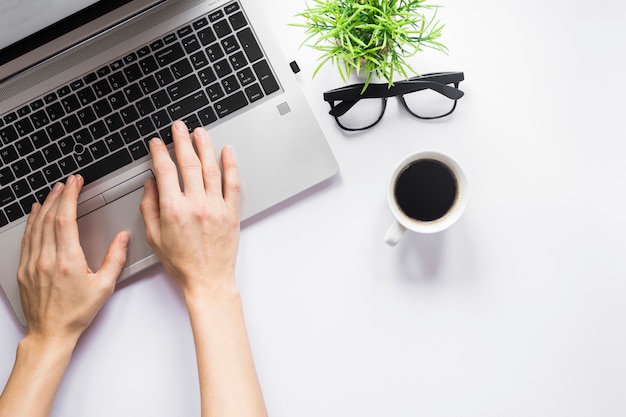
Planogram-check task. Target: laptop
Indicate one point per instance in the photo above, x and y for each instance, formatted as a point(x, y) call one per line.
point(85, 84)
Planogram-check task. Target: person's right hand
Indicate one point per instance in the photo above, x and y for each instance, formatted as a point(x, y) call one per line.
point(194, 231)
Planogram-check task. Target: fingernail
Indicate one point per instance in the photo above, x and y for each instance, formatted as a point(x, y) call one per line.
point(70, 180)
point(124, 238)
point(178, 125)
point(156, 141)
point(57, 187)
point(229, 151)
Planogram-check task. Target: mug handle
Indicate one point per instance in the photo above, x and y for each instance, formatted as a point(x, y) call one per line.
point(394, 233)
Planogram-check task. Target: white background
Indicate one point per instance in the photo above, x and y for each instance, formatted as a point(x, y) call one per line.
point(517, 310)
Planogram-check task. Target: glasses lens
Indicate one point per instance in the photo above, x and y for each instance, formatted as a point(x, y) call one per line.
point(365, 113)
point(428, 104)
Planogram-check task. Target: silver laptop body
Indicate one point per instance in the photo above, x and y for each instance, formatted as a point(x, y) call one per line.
point(280, 148)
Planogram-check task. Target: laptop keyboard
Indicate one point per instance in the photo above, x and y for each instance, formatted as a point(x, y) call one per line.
point(94, 125)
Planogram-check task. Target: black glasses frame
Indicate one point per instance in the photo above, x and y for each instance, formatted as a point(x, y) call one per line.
point(350, 95)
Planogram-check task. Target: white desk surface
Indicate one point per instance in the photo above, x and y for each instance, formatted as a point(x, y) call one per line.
point(517, 310)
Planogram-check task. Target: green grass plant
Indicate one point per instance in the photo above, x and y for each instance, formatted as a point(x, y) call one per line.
point(371, 37)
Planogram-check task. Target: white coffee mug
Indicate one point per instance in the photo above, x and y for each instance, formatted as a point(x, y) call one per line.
point(427, 193)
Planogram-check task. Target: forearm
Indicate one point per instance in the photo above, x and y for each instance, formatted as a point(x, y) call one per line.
point(228, 381)
point(36, 377)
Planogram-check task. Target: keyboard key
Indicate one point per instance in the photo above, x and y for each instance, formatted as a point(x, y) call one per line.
point(114, 142)
point(138, 150)
point(231, 104)
point(98, 130)
point(145, 51)
point(129, 114)
point(148, 65)
point(170, 38)
point(132, 57)
point(215, 91)
point(13, 212)
point(6, 196)
point(200, 23)
point(70, 104)
point(231, 8)
point(250, 45)
point(133, 73)
point(214, 52)
point(6, 176)
point(265, 76)
point(51, 152)
point(164, 77)
point(63, 91)
point(39, 119)
point(222, 68)
point(207, 116)
point(222, 28)
point(86, 96)
point(207, 76)
point(191, 44)
point(237, 21)
point(86, 116)
point(192, 122)
point(27, 203)
point(145, 126)
point(149, 85)
point(39, 139)
point(117, 80)
point(23, 111)
point(182, 32)
point(42, 194)
point(246, 76)
point(84, 158)
point(216, 15)
point(156, 45)
point(230, 44)
point(102, 88)
point(8, 134)
point(89, 78)
point(3, 219)
point(160, 99)
point(24, 147)
point(199, 60)
point(36, 161)
point(170, 54)
point(133, 92)
point(75, 85)
point(105, 166)
point(55, 131)
point(102, 107)
point(66, 145)
point(130, 134)
point(181, 68)
point(68, 165)
point(20, 168)
point(8, 154)
point(166, 135)
point(118, 100)
point(83, 137)
point(104, 71)
point(36, 180)
point(114, 122)
point(254, 92)
point(145, 106)
point(206, 36)
point(117, 65)
point(184, 87)
point(10, 118)
point(98, 149)
point(50, 98)
point(71, 123)
point(20, 188)
point(230, 84)
point(161, 119)
point(52, 173)
point(55, 111)
point(24, 127)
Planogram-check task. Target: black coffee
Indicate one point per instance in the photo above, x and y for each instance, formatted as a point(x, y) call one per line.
point(426, 190)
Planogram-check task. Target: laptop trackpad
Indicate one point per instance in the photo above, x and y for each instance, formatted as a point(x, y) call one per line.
point(99, 227)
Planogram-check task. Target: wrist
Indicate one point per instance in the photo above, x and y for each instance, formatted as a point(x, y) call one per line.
point(36, 345)
point(222, 295)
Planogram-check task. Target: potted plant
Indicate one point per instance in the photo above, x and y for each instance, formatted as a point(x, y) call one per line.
point(371, 37)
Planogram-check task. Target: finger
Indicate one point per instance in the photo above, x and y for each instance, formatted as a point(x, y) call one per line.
point(114, 260)
point(66, 227)
point(164, 170)
point(211, 174)
point(187, 159)
point(232, 183)
point(43, 226)
point(150, 212)
point(27, 238)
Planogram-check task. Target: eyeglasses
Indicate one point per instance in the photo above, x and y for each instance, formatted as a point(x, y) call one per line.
point(429, 96)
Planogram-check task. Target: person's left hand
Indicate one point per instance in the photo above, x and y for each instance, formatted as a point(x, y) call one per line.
point(60, 294)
